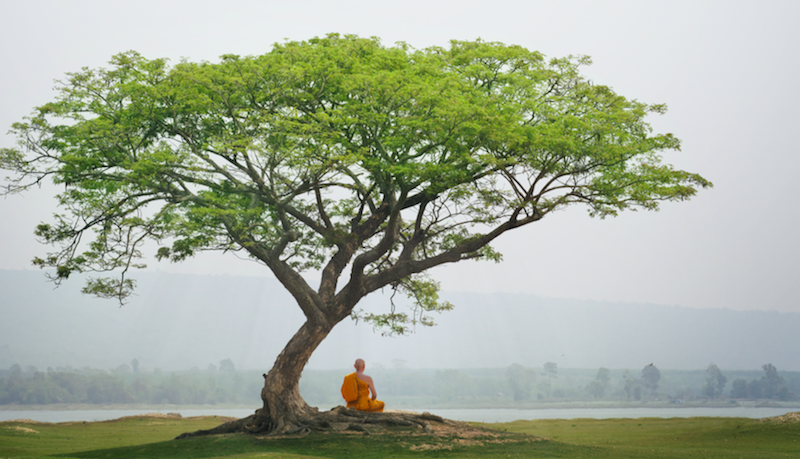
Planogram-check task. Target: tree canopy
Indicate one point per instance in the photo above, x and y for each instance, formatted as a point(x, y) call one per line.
point(651, 376)
point(369, 164)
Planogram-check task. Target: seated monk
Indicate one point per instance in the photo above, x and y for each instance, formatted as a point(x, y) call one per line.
point(365, 386)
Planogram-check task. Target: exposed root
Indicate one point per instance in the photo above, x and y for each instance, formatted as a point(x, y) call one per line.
point(338, 419)
point(341, 418)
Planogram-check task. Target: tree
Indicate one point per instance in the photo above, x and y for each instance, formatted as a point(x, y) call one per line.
point(771, 382)
point(739, 388)
point(227, 366)
point(597, 388)
point(650, 377)
point(715, 382)
point(633, 386)
point(551, 371)
point(520, 380)
point(367, 164)
point(756, 388)
point(603, 376)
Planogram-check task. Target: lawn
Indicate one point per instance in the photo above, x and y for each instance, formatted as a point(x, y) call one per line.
point(580, 438)
point(675, 437)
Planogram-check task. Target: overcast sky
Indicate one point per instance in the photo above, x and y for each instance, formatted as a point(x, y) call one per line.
point(728, 71)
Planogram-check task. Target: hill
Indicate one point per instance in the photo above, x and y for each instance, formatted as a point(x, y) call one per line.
point(182, 321)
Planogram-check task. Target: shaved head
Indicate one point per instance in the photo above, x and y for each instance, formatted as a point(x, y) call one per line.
point(359, 364)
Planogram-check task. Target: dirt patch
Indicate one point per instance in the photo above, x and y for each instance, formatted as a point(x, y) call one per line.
point(170, 416)
point(149, 416)
point(788, 418)
point(160, 416)
point(22, 429)
point(429, 447)
point(450, 436)
point(24, 421)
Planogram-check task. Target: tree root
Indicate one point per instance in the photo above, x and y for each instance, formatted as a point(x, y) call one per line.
point(337, 419)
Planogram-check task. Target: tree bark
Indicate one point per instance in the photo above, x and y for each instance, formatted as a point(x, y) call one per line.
point(283, 406)
point(284, 411)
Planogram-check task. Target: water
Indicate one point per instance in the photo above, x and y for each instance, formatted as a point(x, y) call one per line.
point(509, 415)
point(475, 415)
point(105, 415)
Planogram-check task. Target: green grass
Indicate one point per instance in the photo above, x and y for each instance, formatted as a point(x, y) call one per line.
point(676, 437)
point(20, 439)
point(580, 438)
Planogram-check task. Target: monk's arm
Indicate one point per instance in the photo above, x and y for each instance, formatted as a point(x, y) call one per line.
point(368, 380)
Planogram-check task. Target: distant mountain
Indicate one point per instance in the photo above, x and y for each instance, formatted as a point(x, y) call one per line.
point(181, 321)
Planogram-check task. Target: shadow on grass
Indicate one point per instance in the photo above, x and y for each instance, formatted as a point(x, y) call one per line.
point(316, 445)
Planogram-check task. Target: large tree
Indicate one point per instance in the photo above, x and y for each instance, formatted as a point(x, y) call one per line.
point(367, 164)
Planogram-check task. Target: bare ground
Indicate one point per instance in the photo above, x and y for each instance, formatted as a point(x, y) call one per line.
point(788, 418)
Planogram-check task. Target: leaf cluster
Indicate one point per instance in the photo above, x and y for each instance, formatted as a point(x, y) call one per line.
point(369, 163)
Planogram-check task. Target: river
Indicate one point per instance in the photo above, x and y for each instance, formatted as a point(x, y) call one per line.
point(475, 415)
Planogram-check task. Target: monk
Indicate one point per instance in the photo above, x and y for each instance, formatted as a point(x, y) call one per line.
point(365, 386)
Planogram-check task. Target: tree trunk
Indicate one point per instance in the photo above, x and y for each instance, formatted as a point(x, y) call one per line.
point(285, 411)
point(284, 407)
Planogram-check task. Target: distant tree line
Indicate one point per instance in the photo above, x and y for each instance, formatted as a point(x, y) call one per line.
point(126, 384)
point(685, 386)
point(771, 386)
point(517, 384)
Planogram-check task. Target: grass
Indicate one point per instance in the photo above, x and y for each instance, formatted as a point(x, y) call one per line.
point(33, 439)
point(675, 437)
point(585, 438)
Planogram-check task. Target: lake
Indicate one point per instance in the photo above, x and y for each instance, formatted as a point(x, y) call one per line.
point(475, 415)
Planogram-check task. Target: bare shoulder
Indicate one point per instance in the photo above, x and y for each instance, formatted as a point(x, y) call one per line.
point(366, 378)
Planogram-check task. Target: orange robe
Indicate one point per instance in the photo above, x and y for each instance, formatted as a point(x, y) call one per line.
point(364, 402)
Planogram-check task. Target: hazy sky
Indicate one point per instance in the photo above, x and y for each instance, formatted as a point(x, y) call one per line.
point(728, 71)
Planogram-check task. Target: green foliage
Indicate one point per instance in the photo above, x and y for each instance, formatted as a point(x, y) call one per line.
point(333, 153)
point(424, 293)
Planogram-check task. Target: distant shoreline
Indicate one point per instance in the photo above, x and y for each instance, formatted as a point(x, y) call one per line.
point(582, 405)
point(129, 406)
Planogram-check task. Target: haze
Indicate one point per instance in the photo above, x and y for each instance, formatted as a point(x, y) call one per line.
point(180, 321)
point(727, 70)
